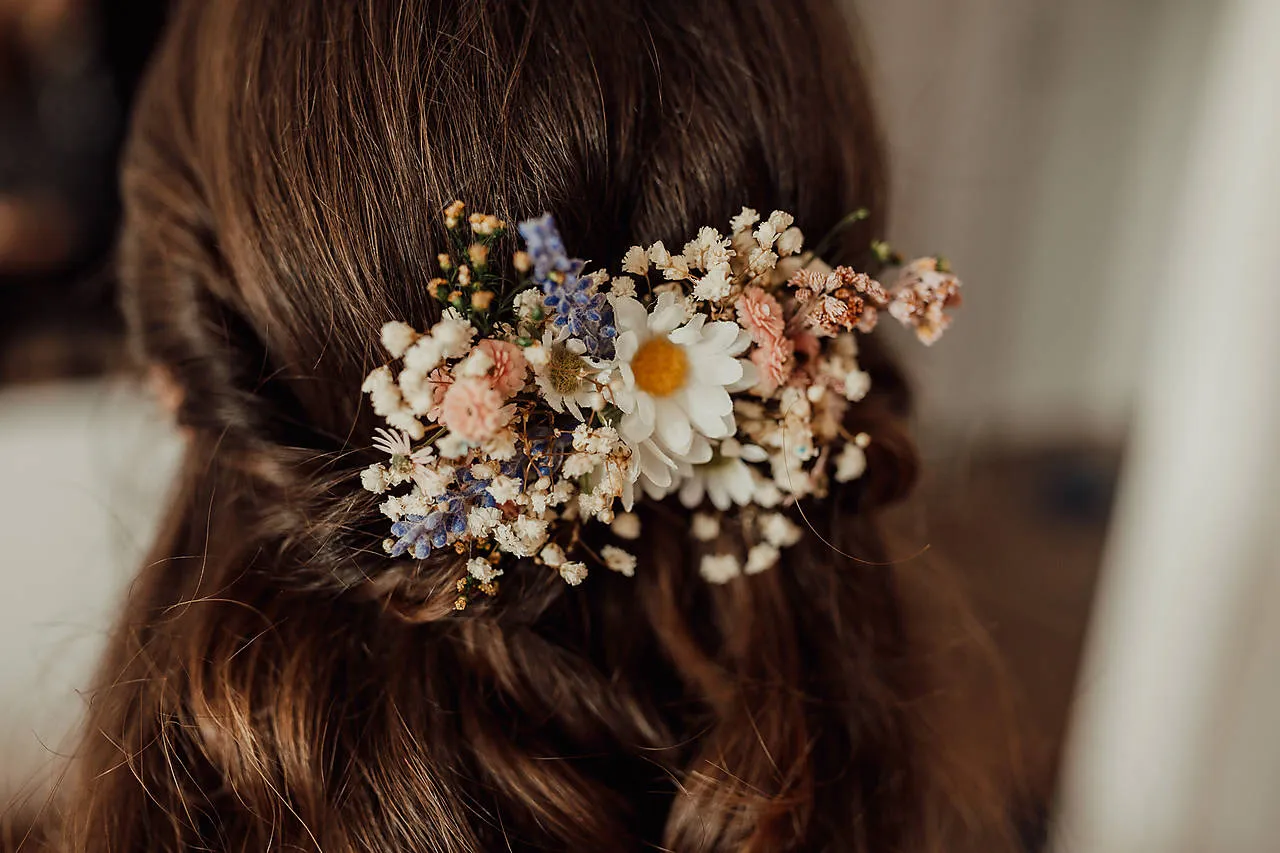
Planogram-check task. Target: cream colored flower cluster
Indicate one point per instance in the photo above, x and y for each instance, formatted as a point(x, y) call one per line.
point(537, 406)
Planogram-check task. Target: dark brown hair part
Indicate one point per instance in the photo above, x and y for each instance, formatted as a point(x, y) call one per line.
point(278, 683)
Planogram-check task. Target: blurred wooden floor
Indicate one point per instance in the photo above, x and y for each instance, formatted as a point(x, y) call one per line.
point(1025, 534)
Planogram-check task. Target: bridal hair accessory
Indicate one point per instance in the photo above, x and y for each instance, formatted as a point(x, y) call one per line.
point(548, 398)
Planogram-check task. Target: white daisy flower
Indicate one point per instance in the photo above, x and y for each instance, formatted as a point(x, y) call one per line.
point(727, 479)
point(674, 390)
point(564, 377)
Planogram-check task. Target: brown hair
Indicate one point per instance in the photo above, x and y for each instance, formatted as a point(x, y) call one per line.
point(277, 682)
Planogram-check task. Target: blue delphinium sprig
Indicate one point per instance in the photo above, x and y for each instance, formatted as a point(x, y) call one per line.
point(575, 302)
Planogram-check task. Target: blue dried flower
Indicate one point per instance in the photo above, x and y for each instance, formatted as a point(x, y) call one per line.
point(574, 302)
point(419, 534)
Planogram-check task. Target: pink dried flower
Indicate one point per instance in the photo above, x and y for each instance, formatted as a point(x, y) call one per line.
point(440, 381)
point(473, 410)
point(761, 315)
point(775, 361)
point(510, 369)
point(920, 296)
point(808, 283)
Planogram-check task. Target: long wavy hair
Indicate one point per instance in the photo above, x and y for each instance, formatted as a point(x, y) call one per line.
point(276, 682)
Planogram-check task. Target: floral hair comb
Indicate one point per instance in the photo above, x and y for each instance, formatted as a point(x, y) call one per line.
point(548, 398)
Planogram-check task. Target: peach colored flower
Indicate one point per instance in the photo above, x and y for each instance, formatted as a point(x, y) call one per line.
point(473, 410)
point(510, 369)
point(761, 315)
point(440, 381)
point(774, 361)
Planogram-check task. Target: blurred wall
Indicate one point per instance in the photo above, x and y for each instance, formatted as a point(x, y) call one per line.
point(1033, 142)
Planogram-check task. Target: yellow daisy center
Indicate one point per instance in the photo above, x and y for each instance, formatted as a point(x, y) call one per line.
point(660, 367)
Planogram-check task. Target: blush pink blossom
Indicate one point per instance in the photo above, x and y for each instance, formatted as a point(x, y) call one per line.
point(761, 315)
point(774, 361)
point(440, 380)
point(473, 410)
point(510, 369)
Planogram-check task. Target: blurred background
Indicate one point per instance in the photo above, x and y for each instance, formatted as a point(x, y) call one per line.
point(1098, 431)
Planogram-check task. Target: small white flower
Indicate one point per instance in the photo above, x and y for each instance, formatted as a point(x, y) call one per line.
point(453, 333)
point(760, 261)
point(504, 489)
point(537, 355)
point(482, 570)
point(767, 495)
point(659, 255)
point(424, 356)
point(619, 560)
point(477, 363)
point(482, 519)
point(626, 525)
point(531, 529)
point(573, 573)
point(715, 285)
point(484, 470)
point(781, 220)
point(744, 220)
point(451, 446)
point(790, 242)
point(553, 555)
point(636, 261)
point(579, 464)
point(433, 481)
point(779, 531)
point(719, 568)
point(528, 302)
point(765, 235)
point(623, 286)
point(502, 446)
point(856, 385)
point(850, 464)
point(392, 508)
point(397, 337)
point(593, 504)
point(374, 479)
point(705, 527)
point(761, 557)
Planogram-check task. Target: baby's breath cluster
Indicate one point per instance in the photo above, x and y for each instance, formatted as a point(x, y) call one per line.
point(547, 398)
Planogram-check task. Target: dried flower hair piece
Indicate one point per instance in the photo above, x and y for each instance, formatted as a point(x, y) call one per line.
point(547, 398)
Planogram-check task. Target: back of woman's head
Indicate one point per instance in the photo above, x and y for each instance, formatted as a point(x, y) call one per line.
point(280, 683)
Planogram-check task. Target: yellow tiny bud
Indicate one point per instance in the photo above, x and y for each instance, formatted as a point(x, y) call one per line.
point(481, 299)
point(464, 275)
point(446, 262)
